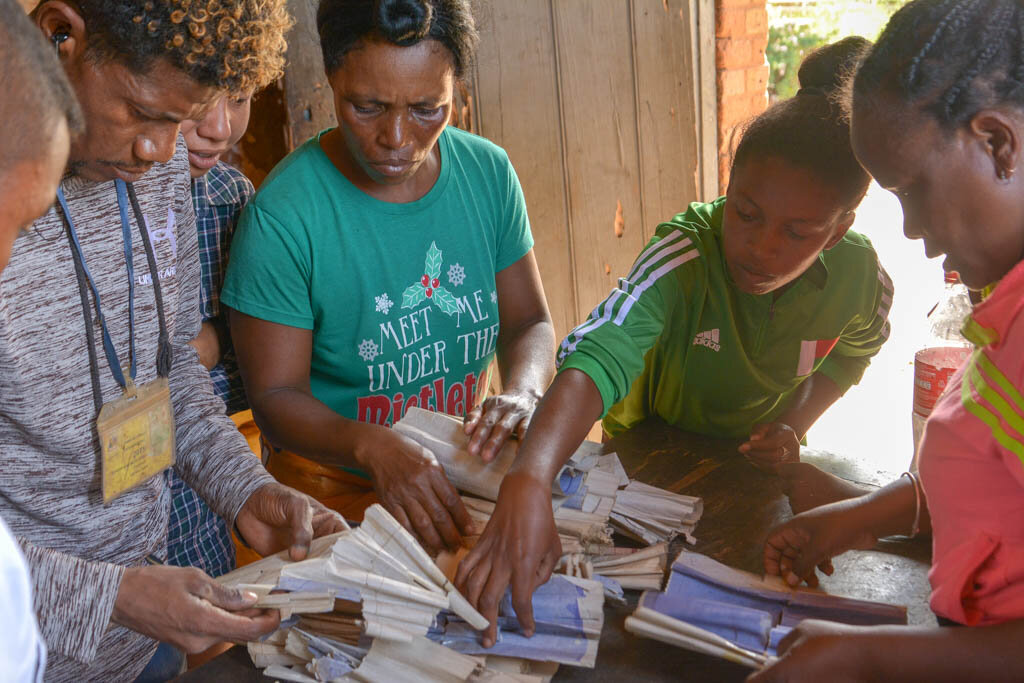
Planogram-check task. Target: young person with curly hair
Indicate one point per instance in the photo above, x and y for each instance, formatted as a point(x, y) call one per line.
point(938, 119)
point(744, 317)
point(100, 302)
point(38, 103)
point(383, 265)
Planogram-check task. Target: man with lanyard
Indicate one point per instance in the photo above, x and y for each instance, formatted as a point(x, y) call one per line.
point(102, 392)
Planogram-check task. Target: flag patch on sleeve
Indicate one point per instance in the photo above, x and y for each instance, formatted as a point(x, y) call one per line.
point(811, 352)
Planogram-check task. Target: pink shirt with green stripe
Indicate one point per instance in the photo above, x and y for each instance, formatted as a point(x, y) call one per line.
point(972, 469)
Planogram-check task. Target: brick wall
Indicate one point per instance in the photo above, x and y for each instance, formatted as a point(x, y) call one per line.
point(741, 35)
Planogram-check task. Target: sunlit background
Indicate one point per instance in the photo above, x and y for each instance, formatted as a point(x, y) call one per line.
point(795, 28)
point(872, 422)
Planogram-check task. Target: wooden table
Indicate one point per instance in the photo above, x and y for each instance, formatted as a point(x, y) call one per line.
point(740, 505)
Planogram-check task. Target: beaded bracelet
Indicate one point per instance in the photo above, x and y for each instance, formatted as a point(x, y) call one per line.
point(917, 501)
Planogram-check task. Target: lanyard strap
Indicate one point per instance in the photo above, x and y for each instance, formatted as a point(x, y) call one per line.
point(76, 247)
point(90, 336)
point(164, 351)
point(125, 195)
point(126, 232)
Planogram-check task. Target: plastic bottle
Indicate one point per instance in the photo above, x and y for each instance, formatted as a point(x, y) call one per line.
point(944, 352)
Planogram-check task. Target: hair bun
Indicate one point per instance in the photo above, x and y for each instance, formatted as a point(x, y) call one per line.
point(826, 69)
point(404, 22)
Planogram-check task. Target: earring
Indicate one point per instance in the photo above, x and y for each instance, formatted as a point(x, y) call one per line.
point(57, 39)
point(1005, 174)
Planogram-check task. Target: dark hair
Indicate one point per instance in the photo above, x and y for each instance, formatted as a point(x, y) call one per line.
point(35, 90)
point(811, 130)
point(344, 23)
point(233, 45)
point(950, 58)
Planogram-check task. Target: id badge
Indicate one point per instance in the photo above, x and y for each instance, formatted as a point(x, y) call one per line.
point(136, 437)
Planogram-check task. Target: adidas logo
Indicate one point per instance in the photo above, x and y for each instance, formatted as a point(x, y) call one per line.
point(708, 339)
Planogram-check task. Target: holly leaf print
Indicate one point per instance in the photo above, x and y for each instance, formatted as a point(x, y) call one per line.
point(413, 295)
point(444, 300)
point(432, 265)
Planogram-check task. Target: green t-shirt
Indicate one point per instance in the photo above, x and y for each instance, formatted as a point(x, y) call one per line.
point(677, 339)
point(401, 298)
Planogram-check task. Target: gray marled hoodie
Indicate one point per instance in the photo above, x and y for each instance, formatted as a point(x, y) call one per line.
point(50, 491)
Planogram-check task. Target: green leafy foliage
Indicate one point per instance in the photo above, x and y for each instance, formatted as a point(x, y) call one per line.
point(796, 27)
point(787, 45)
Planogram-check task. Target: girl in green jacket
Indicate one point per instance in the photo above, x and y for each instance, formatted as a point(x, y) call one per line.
point(746, 317)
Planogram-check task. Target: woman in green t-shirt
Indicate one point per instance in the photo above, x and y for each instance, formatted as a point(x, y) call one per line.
point(370, 273)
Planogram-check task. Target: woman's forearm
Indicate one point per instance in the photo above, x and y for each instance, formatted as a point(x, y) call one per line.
point(526, 358)
point(296, 421)
point(974, 653)
point(275, 362)
point(526, 340)
point(892, 509)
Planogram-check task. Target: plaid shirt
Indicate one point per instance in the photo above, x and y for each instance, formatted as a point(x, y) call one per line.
point(219, 197)
point(197, 537)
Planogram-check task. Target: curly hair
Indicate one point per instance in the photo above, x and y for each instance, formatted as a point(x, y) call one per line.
point(234, 45)
point(949, 58)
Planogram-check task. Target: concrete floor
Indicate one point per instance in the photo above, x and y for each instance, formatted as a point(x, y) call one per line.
point(871, 423)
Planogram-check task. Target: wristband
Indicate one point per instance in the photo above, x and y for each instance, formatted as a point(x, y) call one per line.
point(917, 501)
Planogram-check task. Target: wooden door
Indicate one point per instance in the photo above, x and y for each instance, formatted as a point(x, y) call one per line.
point(596, 102)
point(606, 109)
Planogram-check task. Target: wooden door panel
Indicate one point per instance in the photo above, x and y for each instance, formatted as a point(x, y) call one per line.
point(594, 48)
point(517, 103)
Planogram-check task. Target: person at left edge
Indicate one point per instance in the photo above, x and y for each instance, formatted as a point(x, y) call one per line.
point(139, 68)
point(37, 102)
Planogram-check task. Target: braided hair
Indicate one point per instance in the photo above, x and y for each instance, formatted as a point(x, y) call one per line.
point(949, 58)
point(811, 130)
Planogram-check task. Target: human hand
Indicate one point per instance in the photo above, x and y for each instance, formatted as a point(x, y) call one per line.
point(519, 546)
point(770, 445)
point(819, 651)
point(207, 344)
point(494, 421)
point(186, 608)
point(276, 516)
point(812, 539)
point(412, 486)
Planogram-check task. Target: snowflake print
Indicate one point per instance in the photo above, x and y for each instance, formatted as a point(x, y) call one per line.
point(384, 303)
point(494, 297)
point(368, 350)
point(456, 275)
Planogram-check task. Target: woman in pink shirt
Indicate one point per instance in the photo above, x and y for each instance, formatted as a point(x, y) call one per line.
point(938, 119)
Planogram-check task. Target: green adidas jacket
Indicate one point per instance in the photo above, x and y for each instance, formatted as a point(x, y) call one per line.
point(677, 339)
